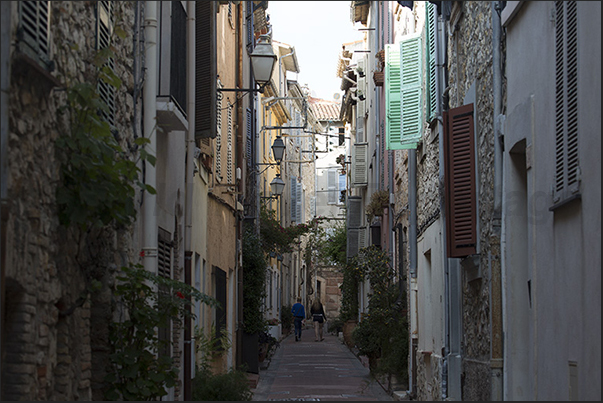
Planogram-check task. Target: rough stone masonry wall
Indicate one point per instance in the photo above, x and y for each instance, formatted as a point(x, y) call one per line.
point(49, 355)
point(470, 61)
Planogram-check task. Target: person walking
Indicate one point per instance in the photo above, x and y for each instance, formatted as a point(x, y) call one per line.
point(299, 314)
point(319, 317)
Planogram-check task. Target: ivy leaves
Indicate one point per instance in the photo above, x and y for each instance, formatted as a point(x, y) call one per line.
point(97, 174)
point(139, 371)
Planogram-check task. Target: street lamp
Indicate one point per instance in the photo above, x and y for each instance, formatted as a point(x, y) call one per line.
point(277, 185)
point(263, 60)
point(278, 149)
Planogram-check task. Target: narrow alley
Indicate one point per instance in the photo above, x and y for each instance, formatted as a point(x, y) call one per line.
point(316, 371)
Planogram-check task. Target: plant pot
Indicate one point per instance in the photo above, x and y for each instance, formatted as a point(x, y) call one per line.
point(348, 328)
point(250, 352)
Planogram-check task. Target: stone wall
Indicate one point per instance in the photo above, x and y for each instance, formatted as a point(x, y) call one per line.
point(55, 332)
point(470, 64)
point(429, 377)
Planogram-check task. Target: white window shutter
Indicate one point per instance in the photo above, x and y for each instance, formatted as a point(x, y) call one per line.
point(293, 190)
point(300, 202)
point(362, 237)
point(360, 164)
point(229, 147)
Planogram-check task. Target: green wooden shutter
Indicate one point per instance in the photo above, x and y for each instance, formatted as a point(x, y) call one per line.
point(431, 61)
point(411, 91)
point(392, 97)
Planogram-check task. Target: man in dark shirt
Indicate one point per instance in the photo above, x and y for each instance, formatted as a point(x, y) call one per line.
point(299, 314)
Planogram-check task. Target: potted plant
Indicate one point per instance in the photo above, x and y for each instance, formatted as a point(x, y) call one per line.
point(379, 200)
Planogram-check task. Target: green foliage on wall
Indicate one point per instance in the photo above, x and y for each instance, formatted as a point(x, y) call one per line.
point(97, 174)
point(138, 371)
point(254, 282)
point(382, 334)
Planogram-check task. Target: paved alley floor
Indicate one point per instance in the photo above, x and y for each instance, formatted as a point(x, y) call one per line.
point(316, 371)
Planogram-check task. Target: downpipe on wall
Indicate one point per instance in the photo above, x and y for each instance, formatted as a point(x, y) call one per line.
point(189, 361)
point(496, 349)
point(150, 132)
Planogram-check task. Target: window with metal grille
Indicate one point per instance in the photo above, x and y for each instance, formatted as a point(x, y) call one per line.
point(164, 269)
point(567, 167)
point(459, 160)
point(104, 30)
point(33, 30)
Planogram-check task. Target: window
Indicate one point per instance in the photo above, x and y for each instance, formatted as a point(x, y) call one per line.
point(33, 30)
point(164, 269)
point(333, 186)
point(567, 168)
point(459, 159)
point(104, 30)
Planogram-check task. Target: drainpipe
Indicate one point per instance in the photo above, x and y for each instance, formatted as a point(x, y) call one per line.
point(5, 86)
point(440, 38)
point(149, 126)
point(496, 362)
point(241, 189)
point(188, 208)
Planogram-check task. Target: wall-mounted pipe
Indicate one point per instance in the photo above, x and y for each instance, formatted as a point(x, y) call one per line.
point(150, 132)
point(188, 232)
point(496, 314)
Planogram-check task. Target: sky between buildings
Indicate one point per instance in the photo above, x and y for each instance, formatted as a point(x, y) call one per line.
point(316, 29)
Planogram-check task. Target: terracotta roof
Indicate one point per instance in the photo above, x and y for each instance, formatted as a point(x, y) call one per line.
point(324, 110)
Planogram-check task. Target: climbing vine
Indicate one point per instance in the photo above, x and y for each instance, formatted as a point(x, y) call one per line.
point(97, 175)
point(146, 302)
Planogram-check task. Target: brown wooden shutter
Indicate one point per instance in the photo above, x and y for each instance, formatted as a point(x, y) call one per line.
point(205, 69)
point(459, 159)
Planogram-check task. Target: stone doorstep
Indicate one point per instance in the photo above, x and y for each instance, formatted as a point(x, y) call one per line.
point(400, 395)
point(253, 379)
